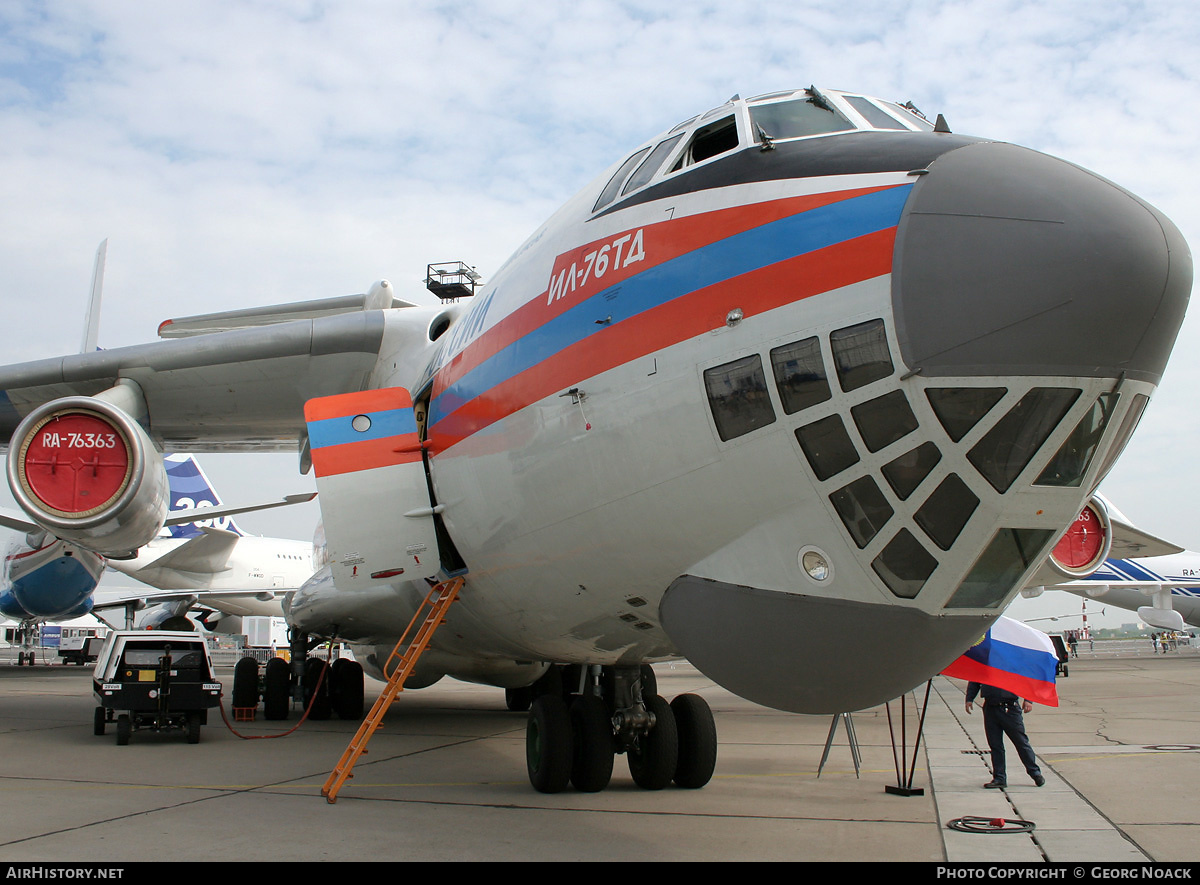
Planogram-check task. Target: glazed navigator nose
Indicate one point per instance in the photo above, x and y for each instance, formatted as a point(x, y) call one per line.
point(1009, 261)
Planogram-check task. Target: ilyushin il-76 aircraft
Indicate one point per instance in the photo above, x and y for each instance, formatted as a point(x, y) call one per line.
point(803, 389)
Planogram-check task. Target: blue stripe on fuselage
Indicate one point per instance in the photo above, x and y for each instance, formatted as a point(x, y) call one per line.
point(337, 431)
point(734, 256)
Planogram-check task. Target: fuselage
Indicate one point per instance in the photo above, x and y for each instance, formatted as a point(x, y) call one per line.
point(799, 398)
point(256, 564)
point(1130, 584)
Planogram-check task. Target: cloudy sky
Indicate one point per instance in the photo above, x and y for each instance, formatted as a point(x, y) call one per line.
point(248, 153)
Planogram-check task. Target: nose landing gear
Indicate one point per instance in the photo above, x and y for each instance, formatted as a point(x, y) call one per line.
point(582, 717)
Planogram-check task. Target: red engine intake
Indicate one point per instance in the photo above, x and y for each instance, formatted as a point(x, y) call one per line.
point(87, 472)
point(1086, 543)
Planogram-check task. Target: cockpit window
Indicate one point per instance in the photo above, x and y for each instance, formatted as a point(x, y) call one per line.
point(872, 113)
point(646, 171)
point(614, 184)
point(709, 141)
point(795, 119)
point(908, 115)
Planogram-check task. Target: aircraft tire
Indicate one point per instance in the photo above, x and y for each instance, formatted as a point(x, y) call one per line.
point(548, 744)
point(245, 683)
point(124, 730)
point(697, 733)
point(550, 682)
point(649, 682)
point(321, 708)
point(277, 679)
point(653, 760)
point(346, 689)
point(592, 741)
point(98, 721)
point(518, 699)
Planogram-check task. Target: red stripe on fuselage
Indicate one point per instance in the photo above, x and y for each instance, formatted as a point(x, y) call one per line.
point(366, 455)
point(852, 261)
point(663, 241)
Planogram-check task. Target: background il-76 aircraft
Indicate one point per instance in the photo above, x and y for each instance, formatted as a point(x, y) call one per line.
point(1103, 557)
point(802, 389)
point(209, 558)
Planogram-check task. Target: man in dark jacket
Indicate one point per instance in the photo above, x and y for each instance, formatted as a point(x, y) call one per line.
point(1002, 716)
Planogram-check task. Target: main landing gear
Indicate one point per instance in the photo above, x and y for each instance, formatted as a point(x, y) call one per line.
point(581, 717)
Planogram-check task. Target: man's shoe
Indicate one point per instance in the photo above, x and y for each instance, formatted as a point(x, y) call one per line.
point(1038, 780)
point(994, 784)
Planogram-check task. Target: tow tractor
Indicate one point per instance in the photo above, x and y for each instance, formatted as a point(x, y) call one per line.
point(162, 679)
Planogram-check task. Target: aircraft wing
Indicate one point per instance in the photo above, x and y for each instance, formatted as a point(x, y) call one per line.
point(227, 391)
point(200, 514)
point(230, 602)
point(1130, 542)
point(207, 553)
point(19, 522)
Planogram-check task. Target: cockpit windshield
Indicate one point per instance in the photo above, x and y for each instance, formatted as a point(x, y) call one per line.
point(775, 116)
point(795, 119)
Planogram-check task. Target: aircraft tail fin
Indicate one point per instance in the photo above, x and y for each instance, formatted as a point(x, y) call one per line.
point(191, 488)
point(91, 320)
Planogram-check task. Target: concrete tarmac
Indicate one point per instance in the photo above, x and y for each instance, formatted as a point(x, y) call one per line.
point(445, 780)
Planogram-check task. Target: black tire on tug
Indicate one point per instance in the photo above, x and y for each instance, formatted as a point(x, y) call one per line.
point(655, 756)
point(98, 721)
point(321, 708)
point(346, 689)
point(548, 744)
point(518, 699)
point(124, 729)
point(697, 741)
point(194, 721)
point(592, 739)
point(277, 680)
point(245, 683)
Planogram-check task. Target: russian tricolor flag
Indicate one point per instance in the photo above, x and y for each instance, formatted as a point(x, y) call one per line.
point(1014, 657)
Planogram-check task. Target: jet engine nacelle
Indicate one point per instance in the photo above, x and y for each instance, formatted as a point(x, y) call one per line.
point(86, 471)
point(1086, 543)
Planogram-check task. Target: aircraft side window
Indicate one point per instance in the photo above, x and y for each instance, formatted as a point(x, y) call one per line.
point(945, 514)
point(1008, 447)
point(883, 420)
point(738, 397)
point(872, 113)
point(961, 408)
point(904, 565)
point(827, 446)
point(1073, 458)
point(863, 509)
point(795, 119)
point(907, 472)
point(614, 184)
point(861, 354)
point(651, 165)
point(1008, 556)
point(800, 374)
point(709, 141)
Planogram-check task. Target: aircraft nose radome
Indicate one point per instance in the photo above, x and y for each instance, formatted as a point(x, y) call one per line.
point(1009, 261)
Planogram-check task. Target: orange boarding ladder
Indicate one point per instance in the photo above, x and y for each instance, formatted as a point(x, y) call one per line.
point(400, 664)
